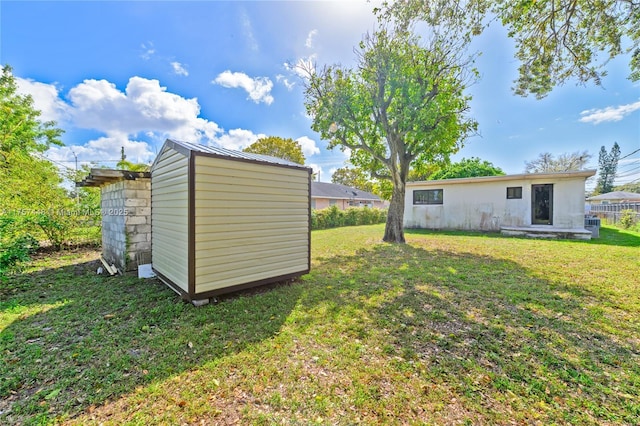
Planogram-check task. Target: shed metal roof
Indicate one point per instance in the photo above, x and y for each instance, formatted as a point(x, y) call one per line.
point(183, 146)
point(337, 191)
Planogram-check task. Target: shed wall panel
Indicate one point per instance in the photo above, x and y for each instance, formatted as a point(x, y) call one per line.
point(169, 216)
point(252, 222)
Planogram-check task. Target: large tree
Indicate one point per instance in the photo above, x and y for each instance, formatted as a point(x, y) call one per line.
point(21, 130)
point(275, 146)
point(566, 162)
point(465, 168)
point(556, 40)
point(31, 198)
point(608, 166)
point(403, 104)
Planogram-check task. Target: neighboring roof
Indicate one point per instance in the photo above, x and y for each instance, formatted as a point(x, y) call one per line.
point(187, 147)
point(616, 195)
point(100, 177)
point(340, 192)
point(523, 176)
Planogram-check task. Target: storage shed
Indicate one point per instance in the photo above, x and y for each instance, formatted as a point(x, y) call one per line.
point(225, 220)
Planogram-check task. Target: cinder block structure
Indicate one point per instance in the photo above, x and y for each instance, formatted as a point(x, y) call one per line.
point(126, 215)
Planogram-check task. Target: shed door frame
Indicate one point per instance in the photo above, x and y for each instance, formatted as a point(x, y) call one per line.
point(542, 204)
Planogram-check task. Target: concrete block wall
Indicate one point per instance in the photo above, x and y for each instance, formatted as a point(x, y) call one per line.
point(126, 222)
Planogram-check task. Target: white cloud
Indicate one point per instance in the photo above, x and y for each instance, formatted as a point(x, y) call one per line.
point(308, 146)
point(106, 149)
point(45, 97)
point(309, 42)
point(247, 30)
point(144, 106)
point(331, 172)
point(284, 80)
point(179, 69)
point(237, 139)
point(144, 110)
point(259, 88)
point(597, 116)
point(148, 50)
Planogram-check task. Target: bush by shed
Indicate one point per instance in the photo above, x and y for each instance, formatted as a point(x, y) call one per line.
point(224, 220)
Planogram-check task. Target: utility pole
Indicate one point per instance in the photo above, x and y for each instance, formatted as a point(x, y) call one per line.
point(75, 177)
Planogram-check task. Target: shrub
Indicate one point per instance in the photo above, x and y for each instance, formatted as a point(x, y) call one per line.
point(16, 245)
point(627, 218)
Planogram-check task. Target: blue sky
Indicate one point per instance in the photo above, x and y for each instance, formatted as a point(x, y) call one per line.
point(132, 73)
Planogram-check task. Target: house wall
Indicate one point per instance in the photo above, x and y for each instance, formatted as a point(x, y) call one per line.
point(323, 203)
point(169, 206)
point(483, 205)
point(126, 218)
point(251, 220)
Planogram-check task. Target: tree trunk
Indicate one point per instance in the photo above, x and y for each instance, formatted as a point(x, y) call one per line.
point(394, 230)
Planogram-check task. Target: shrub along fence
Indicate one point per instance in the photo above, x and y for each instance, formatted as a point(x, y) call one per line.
point(333, 217)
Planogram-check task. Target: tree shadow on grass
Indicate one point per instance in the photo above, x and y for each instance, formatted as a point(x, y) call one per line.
point(73, 339)
point(512, 346)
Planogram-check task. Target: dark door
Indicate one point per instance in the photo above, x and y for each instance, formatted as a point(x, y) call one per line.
point(542, 204)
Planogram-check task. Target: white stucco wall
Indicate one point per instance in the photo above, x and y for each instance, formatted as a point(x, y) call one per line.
point(482, 204)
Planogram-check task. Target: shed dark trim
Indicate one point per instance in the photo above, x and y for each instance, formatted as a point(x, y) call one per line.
point(191, 224)
point(188, 296)
point(309, 225)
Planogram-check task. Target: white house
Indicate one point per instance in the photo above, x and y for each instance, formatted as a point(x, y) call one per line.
point(540, 204)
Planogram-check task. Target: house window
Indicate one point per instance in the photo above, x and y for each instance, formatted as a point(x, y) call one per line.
point(313, 203)
point(514, 192)
point(333, 202)
point(428, 196)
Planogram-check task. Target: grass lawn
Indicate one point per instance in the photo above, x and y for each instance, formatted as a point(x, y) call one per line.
point(451, 328)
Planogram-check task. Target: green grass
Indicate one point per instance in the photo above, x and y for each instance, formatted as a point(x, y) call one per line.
point(451, 328)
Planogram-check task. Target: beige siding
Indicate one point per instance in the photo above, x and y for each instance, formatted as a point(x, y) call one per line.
point(169, 214)
point(252, 222)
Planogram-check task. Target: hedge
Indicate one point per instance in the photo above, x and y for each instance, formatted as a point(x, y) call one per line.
point(333, 217)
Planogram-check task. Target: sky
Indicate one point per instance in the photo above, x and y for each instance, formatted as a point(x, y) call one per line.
point(133, 73)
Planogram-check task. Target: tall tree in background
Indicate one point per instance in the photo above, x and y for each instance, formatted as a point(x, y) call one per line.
point(465, 168)
point(608, 166)
point(556, 40)
point(354, 177)
point(403, 104)
point(278, 147)
point(566, 162)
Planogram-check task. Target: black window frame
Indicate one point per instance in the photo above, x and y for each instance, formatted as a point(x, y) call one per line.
point(517, 195)
point(429, 199)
